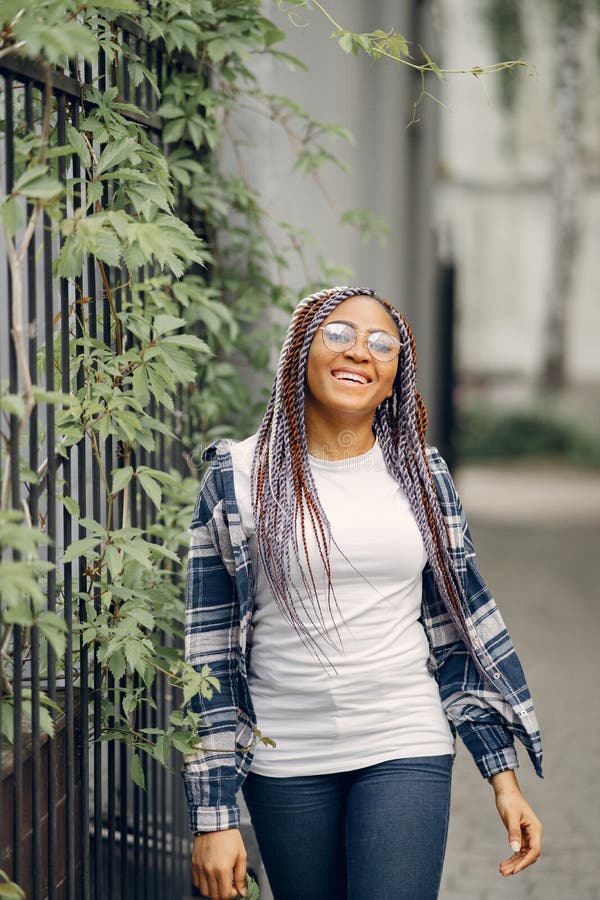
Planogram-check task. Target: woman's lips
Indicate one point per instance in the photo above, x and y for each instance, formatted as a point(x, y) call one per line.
point(350, 376)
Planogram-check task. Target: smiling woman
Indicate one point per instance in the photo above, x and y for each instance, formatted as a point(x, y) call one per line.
point(333, 590)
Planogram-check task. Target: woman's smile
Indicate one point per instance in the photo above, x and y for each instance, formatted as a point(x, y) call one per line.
point(351, 377)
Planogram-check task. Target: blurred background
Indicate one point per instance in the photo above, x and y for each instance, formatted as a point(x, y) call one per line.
point(491, 201)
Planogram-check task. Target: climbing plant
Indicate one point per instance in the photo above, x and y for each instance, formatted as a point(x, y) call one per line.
point(189, 263)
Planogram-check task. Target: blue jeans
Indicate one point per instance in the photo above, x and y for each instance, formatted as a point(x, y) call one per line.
point(377, 833)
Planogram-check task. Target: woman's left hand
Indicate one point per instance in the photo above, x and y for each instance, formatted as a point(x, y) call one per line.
point(523, 826)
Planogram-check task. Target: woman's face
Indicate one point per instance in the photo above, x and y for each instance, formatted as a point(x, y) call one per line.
point(351, 382)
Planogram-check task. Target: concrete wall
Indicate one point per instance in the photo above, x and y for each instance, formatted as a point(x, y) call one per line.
point(391, 167)
point(493, 205)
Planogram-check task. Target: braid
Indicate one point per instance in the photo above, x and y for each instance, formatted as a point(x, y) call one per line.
point(286, 503)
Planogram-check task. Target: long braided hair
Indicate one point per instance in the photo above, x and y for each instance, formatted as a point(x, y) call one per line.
point(284, 495)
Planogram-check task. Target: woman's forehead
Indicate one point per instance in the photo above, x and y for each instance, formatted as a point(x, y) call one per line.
point(365, 312)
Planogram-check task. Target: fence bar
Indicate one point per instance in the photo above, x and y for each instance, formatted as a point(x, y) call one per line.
point(13, 380)
point(148, 884)
point(65, 356)
point(29, 70)
point(83, 885)
point(98, 868)
point(51, 768)
point(36, 847)
point(123, 825)
point(111, 785)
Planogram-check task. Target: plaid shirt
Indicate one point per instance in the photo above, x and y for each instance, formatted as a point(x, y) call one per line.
point(487, 712)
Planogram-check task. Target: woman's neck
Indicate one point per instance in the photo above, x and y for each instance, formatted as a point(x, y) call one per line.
point(330, 440)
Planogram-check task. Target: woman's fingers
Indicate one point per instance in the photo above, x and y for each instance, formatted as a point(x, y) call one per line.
point(239, 875)
point(519, 861)
point(530, 843)
point(219, 864)
point(523, 827)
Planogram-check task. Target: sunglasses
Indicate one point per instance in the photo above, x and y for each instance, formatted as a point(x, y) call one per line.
point(339, 337)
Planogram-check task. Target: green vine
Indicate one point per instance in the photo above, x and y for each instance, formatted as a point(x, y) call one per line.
point(395, 46)
point(178, 307)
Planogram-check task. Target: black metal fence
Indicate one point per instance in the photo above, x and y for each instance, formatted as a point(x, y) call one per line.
point(73, 824)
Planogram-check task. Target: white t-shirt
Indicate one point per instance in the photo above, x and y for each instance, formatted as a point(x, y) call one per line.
point(372, 697)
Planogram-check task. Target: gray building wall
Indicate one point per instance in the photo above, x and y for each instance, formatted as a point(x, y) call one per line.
point(494, 208)
point(391, 165)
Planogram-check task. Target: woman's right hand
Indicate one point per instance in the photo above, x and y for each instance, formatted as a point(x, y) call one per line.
point(219, 864)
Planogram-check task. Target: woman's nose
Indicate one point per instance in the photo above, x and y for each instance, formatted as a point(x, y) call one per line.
point(358, 350)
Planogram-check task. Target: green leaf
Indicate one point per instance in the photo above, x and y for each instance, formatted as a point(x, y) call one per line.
point(133, 652)
point(115, 153)
point(113, 559)
point(217, 49)
point(92, 525)
point(14, 404)
point(150, 486)
point(54, 397)
point(169, 111)
point(162, 748)
point(84, 547)
point(78, 144)
point(12, 216)
point(10, 889)
point(19, 614)
point(189, 341)
point(29, 175)
point(398, 46)
point(143, 616)
point(57, 41)
point(72, 506)
point(44, 189)
point(46, 722)
point(252, 888)
point(54, 629)
point(162, 324)
point(130, 702)
point(139, 551)
point(346, 42)
point(124, 6)
point(117, 665)
point(137, 772)
point(173, 131)
point(17, 579)
point(7, 719)
point(121, 478)
point(140, 384)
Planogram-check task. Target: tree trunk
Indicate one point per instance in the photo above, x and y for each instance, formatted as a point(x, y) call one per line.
point(565, 226)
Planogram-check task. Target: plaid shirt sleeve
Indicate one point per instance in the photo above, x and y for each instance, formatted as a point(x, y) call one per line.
point(211, 637)
point(487, 710)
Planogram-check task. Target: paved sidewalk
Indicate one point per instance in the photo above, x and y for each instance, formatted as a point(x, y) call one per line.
point(537, 532)
point(530, 493)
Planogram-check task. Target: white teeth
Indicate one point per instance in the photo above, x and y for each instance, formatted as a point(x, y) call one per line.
point(351, 376)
